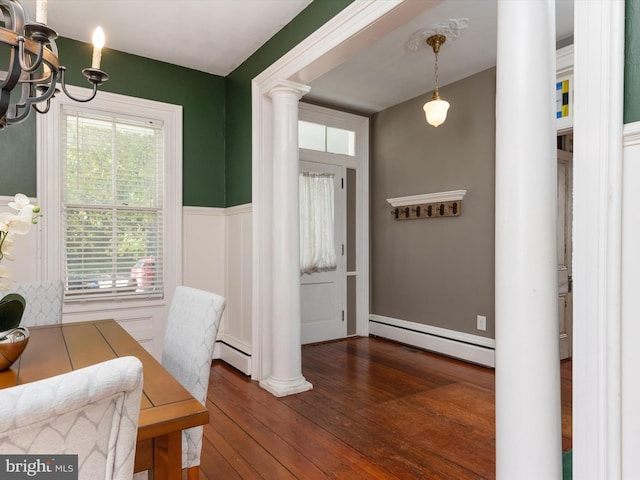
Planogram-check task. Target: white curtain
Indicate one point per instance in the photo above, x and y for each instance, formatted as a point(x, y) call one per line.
point(317, 248)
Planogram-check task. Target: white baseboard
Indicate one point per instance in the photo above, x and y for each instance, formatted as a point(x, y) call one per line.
point(234, 357)
point(464, 346)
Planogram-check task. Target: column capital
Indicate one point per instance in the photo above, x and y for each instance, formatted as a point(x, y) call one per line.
point(287, 86)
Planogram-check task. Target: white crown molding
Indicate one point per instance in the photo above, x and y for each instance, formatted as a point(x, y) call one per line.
point(427, 198)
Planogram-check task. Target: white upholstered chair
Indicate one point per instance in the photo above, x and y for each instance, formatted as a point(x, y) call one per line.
point(43, 302)
point(92, 412)
point(192, 326)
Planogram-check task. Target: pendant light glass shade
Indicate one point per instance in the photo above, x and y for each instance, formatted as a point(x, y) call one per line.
point(436, 111)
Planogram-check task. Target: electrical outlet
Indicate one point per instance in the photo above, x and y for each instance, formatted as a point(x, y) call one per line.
point(481, 322)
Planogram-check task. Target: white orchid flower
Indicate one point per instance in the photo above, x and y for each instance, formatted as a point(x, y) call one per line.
point(20, 201)
point(19, 224)
point(5, 218)
point(7, 248)
point(12, 225)
point(6, 278)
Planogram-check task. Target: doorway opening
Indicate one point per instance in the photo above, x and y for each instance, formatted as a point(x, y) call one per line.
point(334, 303)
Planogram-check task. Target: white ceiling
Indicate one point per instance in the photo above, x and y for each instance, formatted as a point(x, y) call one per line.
point(389, 73)
point(216, 36)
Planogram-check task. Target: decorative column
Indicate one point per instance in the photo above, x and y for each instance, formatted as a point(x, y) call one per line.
point(528, 414)
point(286, 367)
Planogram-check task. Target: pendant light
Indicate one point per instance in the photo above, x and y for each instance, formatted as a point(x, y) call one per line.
point(436, 109)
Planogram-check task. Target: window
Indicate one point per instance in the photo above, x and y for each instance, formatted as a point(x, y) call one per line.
point(111, 204)
point(322, 138)
point(110, 182)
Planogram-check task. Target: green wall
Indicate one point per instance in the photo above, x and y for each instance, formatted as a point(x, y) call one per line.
point(201, 95)
point(217, 111)
point(18, 159)
point(632, 62)
point(238, 87)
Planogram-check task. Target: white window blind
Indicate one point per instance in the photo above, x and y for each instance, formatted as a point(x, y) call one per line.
point(112, 206)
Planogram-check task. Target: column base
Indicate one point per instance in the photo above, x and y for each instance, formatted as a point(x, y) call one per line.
point(282, 388)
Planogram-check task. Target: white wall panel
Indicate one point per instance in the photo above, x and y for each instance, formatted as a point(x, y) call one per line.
point(630, 303)
point(217, 258)
point(239, 273)
point(204, 241)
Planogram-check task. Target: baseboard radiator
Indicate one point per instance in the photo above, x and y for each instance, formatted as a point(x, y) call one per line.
point(463, 346)
point(234, 355)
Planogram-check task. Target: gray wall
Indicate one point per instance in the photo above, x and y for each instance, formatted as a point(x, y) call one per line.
point(439, 271)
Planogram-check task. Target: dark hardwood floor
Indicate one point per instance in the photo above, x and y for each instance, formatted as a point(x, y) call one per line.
point(378, 410)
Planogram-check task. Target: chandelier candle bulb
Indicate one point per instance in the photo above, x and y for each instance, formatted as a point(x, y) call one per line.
point(98, 43)
point(41, 11)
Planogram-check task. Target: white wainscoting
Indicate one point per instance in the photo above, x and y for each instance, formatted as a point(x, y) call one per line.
point(145, 321)
point(472, 348)
point(217, 258)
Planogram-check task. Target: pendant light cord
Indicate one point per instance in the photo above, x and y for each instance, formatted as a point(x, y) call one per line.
point(436, 54)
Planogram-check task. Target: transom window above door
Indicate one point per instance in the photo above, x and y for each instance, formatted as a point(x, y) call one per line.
point(322, 138)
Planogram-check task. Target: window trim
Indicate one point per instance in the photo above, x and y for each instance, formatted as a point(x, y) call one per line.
point(49, 188)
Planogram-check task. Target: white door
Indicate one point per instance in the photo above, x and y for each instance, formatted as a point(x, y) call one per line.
point(565, 295)
point(323, 295)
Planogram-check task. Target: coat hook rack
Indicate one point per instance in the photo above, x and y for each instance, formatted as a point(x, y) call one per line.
point(429, 205)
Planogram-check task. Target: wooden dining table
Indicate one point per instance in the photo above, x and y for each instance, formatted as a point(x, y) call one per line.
point(166, 408)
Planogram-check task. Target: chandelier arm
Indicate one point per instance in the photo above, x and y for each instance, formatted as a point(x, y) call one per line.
point(45, 110)
point(13, 71)
point(11, 80)
point(21, 57)
point(18, 118)
point(66, 92)
point(49, 90)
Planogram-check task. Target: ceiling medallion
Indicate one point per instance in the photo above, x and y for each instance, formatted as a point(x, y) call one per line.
point(451, 29)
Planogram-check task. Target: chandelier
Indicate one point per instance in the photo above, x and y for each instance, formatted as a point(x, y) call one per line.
point(33, 70)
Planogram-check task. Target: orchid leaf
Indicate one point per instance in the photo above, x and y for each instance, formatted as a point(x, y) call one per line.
point(11, 310)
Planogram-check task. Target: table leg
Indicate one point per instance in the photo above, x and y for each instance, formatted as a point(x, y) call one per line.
point(167, 457)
